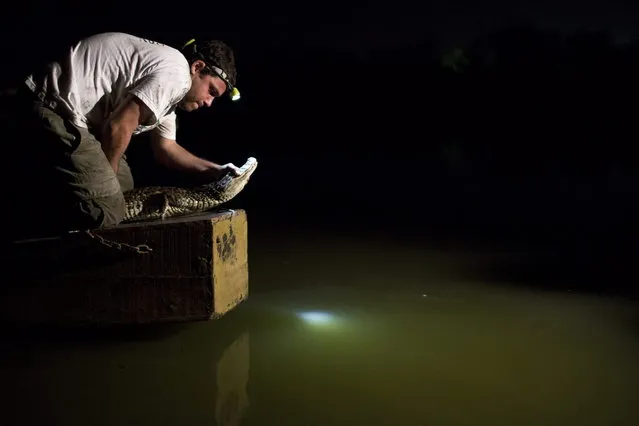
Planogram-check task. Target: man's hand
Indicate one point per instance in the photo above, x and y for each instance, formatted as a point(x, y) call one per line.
point(216, 171)
point(222, 170)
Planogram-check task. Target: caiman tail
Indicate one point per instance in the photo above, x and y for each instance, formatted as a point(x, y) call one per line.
point(162, 202)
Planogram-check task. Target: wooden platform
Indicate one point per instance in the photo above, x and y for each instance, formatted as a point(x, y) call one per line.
point(184, 269)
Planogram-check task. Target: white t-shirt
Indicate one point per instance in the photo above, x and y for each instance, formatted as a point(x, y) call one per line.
point(100, 71)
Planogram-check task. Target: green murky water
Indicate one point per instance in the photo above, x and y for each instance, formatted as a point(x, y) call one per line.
point(347, 332)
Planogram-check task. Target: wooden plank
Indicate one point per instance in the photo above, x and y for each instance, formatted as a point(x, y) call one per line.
point(196, 269)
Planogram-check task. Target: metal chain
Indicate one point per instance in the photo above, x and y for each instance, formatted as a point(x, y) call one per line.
point(140, 249)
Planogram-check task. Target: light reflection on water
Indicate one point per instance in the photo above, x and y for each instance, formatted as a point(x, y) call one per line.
point(347, 333)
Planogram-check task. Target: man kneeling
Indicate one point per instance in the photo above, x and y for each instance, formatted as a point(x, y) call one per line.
point(78, 115)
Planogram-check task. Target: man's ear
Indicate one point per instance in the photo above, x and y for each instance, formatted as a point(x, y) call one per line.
point(197, 66)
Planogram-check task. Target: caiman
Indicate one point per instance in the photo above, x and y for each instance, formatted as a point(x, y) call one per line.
point(162, 202)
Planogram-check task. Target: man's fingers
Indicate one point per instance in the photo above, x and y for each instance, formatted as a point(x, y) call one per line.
point(230, 167)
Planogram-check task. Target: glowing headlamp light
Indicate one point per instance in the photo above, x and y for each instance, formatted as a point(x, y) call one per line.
point(235, 94)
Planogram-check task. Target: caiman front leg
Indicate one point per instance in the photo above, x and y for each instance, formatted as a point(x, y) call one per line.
point(165, 207)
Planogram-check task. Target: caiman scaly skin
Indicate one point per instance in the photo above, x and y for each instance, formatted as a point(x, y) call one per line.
point(162, 202)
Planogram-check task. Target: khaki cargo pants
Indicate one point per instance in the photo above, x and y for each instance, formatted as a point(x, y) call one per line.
point(69, 183)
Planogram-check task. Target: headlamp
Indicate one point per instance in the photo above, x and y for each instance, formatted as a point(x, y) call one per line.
point(230, 89)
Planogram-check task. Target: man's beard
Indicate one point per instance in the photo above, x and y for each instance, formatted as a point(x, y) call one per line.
point(186, 100)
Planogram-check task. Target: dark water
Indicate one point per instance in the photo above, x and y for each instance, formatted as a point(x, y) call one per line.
point(346, 331)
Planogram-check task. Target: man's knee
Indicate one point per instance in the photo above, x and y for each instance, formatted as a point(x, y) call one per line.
point(31, 218)
point(101, 212)
point(125, 178)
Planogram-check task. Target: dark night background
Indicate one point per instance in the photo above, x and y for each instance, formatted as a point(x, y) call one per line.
point(489, 123)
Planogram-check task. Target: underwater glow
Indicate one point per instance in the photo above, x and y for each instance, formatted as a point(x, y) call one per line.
point(317, 317)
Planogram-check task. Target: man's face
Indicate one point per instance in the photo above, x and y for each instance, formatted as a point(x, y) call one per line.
point(204, 88)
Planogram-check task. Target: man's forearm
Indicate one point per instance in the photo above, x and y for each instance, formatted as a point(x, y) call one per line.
point(178, 158)
point(114, 143)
